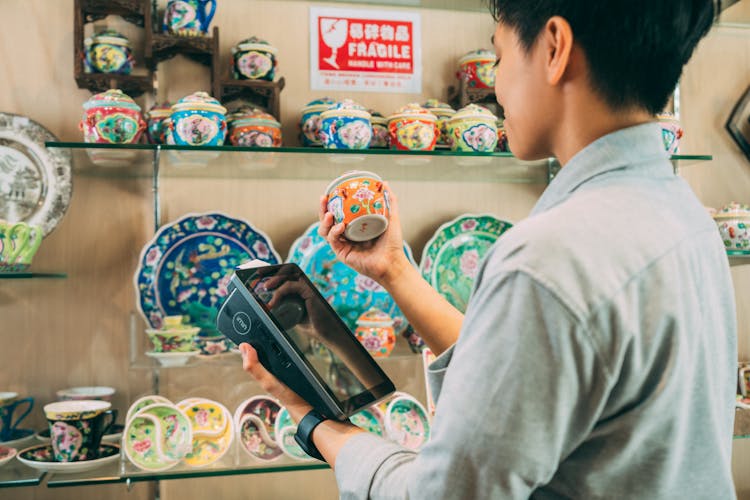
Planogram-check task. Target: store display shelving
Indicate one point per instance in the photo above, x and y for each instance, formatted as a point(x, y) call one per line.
point(32, 275)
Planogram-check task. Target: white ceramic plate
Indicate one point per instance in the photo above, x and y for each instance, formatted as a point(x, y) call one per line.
point(40, 457)
point(35, 181)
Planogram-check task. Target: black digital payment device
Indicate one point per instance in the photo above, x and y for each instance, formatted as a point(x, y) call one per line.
point(301, 340)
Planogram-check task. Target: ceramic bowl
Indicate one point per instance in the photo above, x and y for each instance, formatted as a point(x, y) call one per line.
point(143, 402)
point(407, 422)
point(309, 123)
point(359, 200)
point(255, 422)
point(213, 430)
point(102, 393)
point(213, 344)
point(733, 221)
point(253, 127)
point(370, 419)
point(19, 243)
point(413, 128)
point(112, 117)
point(671, 132)
point(173, 339)
point(476, 69)
point(346, 125)
point(443, 112)
point(108, 52)
point(158, 437)
point(284, 430)
point(155, 117)
point(473, 129)
point(198, 120)
point(375, 332)
point(254, 59)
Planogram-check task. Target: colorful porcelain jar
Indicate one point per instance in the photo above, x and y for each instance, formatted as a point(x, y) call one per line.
point(671, 132)
point(309, 123)
point(254, 59)
point(155, 118)
point(379, 124)
point(198, 120)
point(112, 118)
point(188, 17)
point(254, 127)
point(345, 126)
point(444, 112)
point(477, 69)
point(473, 128)
point(375, 332)
point(734, 226)
point(413, 128)
point(107, 52)
point(359, 200)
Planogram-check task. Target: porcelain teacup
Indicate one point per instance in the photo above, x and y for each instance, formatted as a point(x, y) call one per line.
point(76, 428)
point(359, 200)
point(9, 401)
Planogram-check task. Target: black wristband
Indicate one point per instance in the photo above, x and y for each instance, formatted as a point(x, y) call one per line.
point(303, 436)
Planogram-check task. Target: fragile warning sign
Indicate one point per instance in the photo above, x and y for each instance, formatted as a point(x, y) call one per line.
point(365, 50)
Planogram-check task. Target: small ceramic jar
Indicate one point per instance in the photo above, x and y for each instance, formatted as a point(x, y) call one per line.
point(413, 128)
point(107, 52)
point(359, 200)
point(155, 118)
point(379, 130)
point(346, 125)
point(734, 226)
point(309, 123)
point(671, 132)
point(253, 127)
point(375, 332)
point(444, 112)
point(112, 117)
point(198, 120)
point(473, 128)
point(477, 69)
point(254, 59)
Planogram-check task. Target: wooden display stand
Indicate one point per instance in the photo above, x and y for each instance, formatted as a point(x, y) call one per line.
point(259, 92)
point(460, 96)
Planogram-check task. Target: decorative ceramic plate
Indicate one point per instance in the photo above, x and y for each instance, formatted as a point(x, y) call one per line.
point(20, 438)
point(213, 431)
point(157, 437)
point(143, 402)
point(285, 429)
point(6, 454)
point(349, 292)
point(369, 419)
point(190, 261)
point(451, 258)
point(35, 182)
point(254, 422)
point(406, 422)
point(41, 457)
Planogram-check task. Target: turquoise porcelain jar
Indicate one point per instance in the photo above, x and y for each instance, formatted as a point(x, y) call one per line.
point(107, 52)
point(254, 59)
point(345, 126)
point(309, 122)
point(198, 120)
point(473, 128)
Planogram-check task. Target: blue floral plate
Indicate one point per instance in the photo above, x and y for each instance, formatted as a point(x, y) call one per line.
point(349, 292)
point(189, 262)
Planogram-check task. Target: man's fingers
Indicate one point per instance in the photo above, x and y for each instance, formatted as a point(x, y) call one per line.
point(251, 364)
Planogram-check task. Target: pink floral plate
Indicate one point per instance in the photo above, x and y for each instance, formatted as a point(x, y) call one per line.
point(41, 457)
point(6, 454)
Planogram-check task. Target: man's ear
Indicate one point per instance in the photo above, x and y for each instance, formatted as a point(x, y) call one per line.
point(557, 39)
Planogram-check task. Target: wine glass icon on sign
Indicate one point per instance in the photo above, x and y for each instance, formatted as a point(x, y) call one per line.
point(334, 36)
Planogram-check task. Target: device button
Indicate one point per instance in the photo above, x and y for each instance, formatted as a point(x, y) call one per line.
point(241, 323)
point(276, 349)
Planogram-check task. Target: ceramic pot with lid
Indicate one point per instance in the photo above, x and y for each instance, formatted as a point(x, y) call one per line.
point(198, 120)
point(375, 332)
point(254, 59)
point(671, 132)
point(413, 128)
point(253, 127)
point(346, 125)
point(477, 69)
point(155, 122)
point(733, 221)
point(444, 112)
point(473, 128)
point(108, 52)
point(309, 123)
point(112, 117)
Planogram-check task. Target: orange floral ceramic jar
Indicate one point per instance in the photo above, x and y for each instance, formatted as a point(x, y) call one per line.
point(254, 127)
point(375, 332)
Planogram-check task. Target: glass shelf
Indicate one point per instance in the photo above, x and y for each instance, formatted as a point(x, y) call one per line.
point(31, 274)
point(14, 473)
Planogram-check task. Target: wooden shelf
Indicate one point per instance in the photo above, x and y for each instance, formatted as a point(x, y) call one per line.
point(162, 46)
point(132, 85)
point(462, 95)
point(133, 11)
point(261, 92)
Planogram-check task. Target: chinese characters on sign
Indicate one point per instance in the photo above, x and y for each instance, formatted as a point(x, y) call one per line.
point(364, 50)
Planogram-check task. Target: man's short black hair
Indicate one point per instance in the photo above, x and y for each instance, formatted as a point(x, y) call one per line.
point(635, 48)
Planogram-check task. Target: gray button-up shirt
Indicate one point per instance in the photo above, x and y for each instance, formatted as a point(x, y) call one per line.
point(597, 356)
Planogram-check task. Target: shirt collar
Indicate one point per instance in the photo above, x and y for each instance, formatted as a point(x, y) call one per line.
point(638, 145)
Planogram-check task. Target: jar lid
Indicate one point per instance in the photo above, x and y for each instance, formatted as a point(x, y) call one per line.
point(113, 98)
point(160, 110)
point(199, 101)
point(109, 36)
point(347, 107)
point(482, 55)
point(377, 117)
point(438, 108)
point(413, 110)
point(374, 317)
point(733, 209)
point(254, 43)
point(251, 116)
point(318, 105)
point(474, 111)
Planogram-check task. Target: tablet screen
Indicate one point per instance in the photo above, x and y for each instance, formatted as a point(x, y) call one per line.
point(342, 365)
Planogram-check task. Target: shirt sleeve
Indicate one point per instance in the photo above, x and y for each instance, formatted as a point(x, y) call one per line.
point(522, 388)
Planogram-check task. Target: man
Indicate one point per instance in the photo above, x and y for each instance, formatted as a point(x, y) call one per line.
point(596, 357)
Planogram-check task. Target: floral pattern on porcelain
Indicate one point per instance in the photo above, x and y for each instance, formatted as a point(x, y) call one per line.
point(346, 125)
point(375, 332)
point(112, 117)
point(369, 419)
point(256, 422)
point(155, 126)
point(413, 128)
point(67, 441)
point(168, 340)
point(213, 431)
point(671, 132)
point(254, 59)
point(477, 69)
point(198, 120)
point(157, 437)
point(474, 129)
point(188, 17)
point(407, 423)
point(254, 128)
point(189, 262)
point(108, 52)
point(733, 221)
point(43, 453)
point(310, 120)
point(451, 258)
point(443, 112)
point(349, 293)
